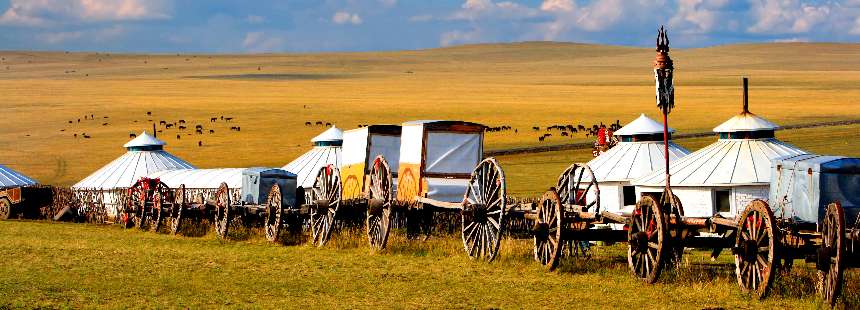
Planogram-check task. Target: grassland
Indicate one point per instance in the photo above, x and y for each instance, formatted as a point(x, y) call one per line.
point(60, 265)
point(271, 96)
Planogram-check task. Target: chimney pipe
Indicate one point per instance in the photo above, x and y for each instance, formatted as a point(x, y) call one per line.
point(155, 133)
point(746, 96)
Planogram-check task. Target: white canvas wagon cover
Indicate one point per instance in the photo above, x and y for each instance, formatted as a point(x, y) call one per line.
point(803, 185)
point(382, 139)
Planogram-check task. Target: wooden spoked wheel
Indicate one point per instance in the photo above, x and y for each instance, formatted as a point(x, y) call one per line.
point(484, 208)
point(137, 196)
point(577, 186)
point(222, 210)
point(155, 213)
point(646, 240)
point(673, 208)
point(547, 230)
point(755, 248)
point(274, 212)
point(379, 204)
point(178, 207)
point(831, 257)
point(327, 193)
point(5, 208)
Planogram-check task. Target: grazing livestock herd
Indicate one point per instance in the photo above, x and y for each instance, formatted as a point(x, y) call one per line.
point(179, 125)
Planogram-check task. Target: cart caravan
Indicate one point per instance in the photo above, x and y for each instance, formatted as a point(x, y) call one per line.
point(813, 201)
point(103, 193)
point(178, 196)
point(363, 183)
point(326, 151)
point(11, 186)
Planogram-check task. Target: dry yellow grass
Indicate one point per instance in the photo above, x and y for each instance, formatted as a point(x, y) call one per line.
point(272, 96)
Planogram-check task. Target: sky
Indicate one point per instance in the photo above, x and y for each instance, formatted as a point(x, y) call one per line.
point(262, 26)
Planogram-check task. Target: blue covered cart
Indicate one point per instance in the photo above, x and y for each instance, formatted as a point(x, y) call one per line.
point(816, 200)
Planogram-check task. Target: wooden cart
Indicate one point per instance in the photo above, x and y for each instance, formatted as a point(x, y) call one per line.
point(362, 184)
point(263, 193)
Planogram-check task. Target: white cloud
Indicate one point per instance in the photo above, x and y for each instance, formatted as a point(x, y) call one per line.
point(787, 16)
point(343, 17)
point(59, 37)
point(701, 16)
point(594, 17)
point(260, 42)
point(487, 9)
point(791, 40)
point(39, 13)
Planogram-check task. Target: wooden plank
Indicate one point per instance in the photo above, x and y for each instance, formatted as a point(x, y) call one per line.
point(440, 204)
point(612, 217)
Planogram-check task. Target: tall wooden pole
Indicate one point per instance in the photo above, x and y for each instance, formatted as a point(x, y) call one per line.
point(663, 69)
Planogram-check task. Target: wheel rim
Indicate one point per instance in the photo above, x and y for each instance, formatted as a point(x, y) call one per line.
point(155, 217)
point(222, 210)
point(755, 248)
point(547, 237)
point(379, 224)
point(273, 214)
point(484, 209)
point(5, 208)
point(327, 187)
point(645, 240)
point(178, 206)
point(831, 253)
point(578, 186)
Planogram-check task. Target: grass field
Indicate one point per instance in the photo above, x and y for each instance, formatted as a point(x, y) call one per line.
point(271, 96)
point(59, 265)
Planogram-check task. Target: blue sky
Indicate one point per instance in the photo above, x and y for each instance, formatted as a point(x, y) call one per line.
point(254, 26)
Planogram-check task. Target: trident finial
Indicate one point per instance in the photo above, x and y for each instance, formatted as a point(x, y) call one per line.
point(662, 61)
point(662, 40)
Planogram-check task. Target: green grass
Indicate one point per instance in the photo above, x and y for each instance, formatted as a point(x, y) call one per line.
point(61, 265)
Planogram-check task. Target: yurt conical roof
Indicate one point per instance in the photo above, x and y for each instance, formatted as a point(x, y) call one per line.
point(12, 178)
point(741, 156)
point(326, 150)
point(631, 158)
point(145, 155)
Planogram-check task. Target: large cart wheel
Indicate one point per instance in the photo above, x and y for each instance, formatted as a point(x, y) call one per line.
point(646, 240)
point(755, 248)
point(577, 186)
point(547, 230)
point(5, 208)
point(831, 253)
point(484, 207)
point(155, 213)
point(327, 194)
point(222, 210)
point(379, 204)
point(178, 210)
point(274, 212)
point(137, 196)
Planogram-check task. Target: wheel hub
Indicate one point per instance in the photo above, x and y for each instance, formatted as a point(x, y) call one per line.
point(823, 258)
point(541, 231)
point(749, 249)
point(639, 241)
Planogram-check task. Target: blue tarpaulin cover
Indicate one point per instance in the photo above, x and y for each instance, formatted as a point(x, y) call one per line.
point(802, 186)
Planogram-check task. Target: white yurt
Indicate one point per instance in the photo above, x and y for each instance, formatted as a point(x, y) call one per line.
point(638, 152)
point(725, 176)
point(10, 178)
point(326, 150)
point(145, 155)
